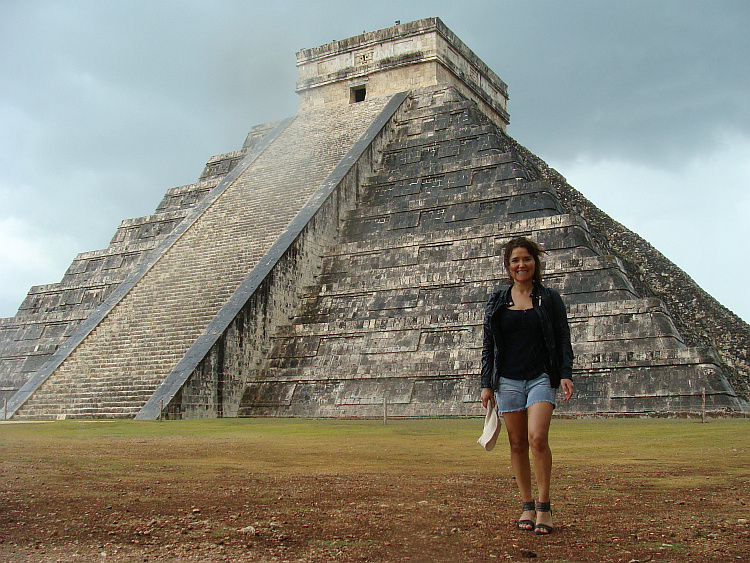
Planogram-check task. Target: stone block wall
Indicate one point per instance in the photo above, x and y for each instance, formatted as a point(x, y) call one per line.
point(396, 313)
point(414, 55)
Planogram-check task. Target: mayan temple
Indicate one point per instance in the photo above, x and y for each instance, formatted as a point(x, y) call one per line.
point(338, 264)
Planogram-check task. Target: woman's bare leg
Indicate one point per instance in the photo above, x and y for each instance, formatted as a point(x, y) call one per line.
point(539, 418)
point(516, 424)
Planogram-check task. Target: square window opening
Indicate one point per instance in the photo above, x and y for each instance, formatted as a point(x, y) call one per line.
point(358, 94)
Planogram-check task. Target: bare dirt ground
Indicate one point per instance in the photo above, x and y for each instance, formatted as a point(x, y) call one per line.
point(416, 491)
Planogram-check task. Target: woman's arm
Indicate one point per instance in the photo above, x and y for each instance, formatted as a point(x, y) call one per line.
point(488, 347)
point(562, 337)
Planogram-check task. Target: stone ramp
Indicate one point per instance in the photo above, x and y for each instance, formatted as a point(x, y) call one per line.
point(51, 313)
point(397, 312)
point(146, 331)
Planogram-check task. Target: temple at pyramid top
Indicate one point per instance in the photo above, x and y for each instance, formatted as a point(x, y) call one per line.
point(402, 57)
point(338, 263)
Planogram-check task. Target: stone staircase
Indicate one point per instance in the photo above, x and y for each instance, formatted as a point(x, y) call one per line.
point(125, 357)
point(51, 313)
point(397, 311)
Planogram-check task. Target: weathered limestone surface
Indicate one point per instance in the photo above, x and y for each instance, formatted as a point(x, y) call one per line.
point(127, 355)
point(396, 314)
point(406, 56)
point(51, 313)
point(211, 378)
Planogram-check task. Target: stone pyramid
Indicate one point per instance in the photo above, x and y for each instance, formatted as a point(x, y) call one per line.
point(338, 265)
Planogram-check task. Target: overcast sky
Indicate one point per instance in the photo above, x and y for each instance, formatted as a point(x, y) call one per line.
point(642, 106)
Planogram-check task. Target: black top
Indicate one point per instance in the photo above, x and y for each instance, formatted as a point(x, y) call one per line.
point(526, 355)
point(549, 306)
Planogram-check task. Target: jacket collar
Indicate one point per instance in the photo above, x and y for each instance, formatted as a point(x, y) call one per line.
point(505, 295)
point(506, 298)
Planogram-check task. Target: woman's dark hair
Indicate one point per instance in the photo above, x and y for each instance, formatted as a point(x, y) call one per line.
point(534, 249)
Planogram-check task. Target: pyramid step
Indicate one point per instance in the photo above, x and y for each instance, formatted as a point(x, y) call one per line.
point(418, 276)
point(555, 231)
point(492, 197)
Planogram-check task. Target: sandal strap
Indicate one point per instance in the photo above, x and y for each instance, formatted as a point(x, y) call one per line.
point(543, 507)
point(528, 505)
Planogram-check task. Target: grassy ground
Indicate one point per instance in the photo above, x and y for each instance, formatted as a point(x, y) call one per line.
point(412, 490)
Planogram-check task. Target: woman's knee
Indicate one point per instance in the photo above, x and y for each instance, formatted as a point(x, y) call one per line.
point(540, 416)
point(519, 443)
point(538, 442)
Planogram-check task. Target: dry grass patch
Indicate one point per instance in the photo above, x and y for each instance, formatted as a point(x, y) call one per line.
point(356, 490)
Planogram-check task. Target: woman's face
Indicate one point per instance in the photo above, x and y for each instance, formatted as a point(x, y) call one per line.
point(522, 265)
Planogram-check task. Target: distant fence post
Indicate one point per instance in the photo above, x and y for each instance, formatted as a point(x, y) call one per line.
point(703, 410)
point(385, 411)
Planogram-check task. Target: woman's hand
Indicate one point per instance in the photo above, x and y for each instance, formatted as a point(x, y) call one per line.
point(567, 387)
point(488, 395)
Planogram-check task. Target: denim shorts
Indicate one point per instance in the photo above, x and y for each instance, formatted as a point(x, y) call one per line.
point(515, 395)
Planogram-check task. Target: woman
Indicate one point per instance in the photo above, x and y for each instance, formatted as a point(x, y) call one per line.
point(526, 356)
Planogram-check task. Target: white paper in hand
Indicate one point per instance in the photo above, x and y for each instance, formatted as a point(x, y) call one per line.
point(492, 427)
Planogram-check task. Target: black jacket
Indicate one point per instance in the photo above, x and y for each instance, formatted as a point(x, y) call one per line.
point(551, 310)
